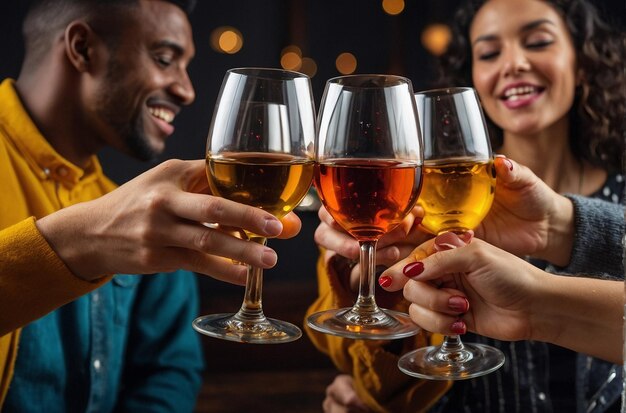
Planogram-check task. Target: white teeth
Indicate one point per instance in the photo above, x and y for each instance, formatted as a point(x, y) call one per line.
point(514, 92)
point(162, 113)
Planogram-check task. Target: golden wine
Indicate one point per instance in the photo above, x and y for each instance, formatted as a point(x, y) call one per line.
point(368, 198)
point(275, 183)
point(456, 196)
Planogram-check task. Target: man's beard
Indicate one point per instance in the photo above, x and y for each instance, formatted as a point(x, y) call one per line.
point(137, 142)
point(112, 103)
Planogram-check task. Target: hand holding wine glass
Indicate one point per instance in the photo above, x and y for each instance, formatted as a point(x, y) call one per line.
point(458, 190)
point(259, 153)
point(368, 176)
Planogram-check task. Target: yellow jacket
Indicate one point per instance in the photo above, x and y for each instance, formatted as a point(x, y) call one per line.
point(34, 182)
point(372, 363)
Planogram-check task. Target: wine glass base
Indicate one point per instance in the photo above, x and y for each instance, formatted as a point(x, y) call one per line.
point(227, 327)
point(381, 325)
point(473, 360)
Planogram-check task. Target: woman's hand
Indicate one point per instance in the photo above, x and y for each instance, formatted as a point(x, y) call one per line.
point(390, 248)
point(341, 397)
point(527, 217)
point(455, 287)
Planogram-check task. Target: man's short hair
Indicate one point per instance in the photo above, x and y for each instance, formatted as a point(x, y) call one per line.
point(46, 18)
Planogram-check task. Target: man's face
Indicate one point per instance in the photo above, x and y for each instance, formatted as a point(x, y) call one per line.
point(145, 83)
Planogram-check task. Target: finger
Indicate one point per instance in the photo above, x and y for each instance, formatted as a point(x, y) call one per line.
point(387, 256)
point(291, 226)
point(436, 322)
point(512, 174)
point(207, 208)
point(448, 301)
point(340, 242)
point(396, 235)
point(451, 240)
point(172, 258)
point(219, 268)
point(343, 392)
point(329, 405)
point(196, 180)
point(395, 277)
point(213, 241)
point(453, 261)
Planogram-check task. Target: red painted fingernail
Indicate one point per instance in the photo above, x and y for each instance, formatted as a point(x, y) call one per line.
point(458, 304)
point(458, 327)
point(413, 269)
point(385, 281)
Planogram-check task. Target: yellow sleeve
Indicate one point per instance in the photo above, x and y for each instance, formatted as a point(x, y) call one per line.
point(378, 381)
point(33, 279)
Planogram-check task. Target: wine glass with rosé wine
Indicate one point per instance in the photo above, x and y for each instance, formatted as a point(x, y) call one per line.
point(259, 153)
point(368, 172)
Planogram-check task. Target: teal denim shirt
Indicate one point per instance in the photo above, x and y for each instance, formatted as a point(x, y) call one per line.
point(128, 346)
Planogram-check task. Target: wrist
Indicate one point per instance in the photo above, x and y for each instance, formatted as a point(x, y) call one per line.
point(560, 233)
point(62, 232)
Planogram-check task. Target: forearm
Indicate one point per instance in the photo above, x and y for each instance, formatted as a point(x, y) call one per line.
point(585, 237)
point(599, 227)
point(582, 314)
point(33, 280)
point(560, 233)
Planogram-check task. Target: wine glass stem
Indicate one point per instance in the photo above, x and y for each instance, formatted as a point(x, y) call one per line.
point(251, 309)
point(452, 344)
point(366, 303)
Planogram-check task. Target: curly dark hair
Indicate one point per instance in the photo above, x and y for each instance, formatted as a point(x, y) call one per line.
point(598, 115)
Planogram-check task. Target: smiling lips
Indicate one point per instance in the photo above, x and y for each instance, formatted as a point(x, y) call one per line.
point(164, 117)
point(519, 96)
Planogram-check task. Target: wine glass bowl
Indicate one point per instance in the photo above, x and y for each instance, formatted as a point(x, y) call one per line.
point(457, 193)
point(259, 153)
point(367, 175)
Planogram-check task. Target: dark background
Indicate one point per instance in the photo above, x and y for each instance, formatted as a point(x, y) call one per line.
point(321, 28)
point(288, 377)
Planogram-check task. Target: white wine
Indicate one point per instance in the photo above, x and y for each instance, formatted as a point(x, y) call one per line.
point(275, 183)
point(457, 195)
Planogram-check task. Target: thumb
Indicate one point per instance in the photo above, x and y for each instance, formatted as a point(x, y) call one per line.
point(513, 175)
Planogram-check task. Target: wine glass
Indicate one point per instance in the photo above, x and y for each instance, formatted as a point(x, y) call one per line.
point(259, 153)
point(458, 190)
point(368, 173)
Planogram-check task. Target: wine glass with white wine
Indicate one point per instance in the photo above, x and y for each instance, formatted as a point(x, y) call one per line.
point(457, 193)
point(259, 153)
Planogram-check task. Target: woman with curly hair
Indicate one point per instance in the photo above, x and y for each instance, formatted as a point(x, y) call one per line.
point(551, 79)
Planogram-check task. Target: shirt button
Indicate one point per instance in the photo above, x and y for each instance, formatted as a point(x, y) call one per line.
point(541, 396)
point(62, 171)
point(97, 364)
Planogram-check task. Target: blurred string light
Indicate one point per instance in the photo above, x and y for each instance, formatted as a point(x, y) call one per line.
point(226, 39)
point(436, 38)
point(346, 63)
point(291, 59)
point(393, 7)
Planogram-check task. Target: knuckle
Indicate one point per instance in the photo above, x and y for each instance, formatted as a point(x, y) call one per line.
point(214, 209)
point(204, 240)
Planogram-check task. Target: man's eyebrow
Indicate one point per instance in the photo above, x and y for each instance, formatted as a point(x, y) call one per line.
point(170, 45)
point(528, 26)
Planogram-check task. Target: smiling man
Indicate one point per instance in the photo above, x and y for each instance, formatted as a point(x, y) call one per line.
point(106, 73)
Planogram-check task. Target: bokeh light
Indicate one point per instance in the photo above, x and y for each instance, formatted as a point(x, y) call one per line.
point(226, 39)
point(309, 67)
point(393, 7)
point(436, 38)
point(346, 63)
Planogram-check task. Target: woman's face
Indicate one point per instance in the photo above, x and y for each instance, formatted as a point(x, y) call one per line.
point(523, 64)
